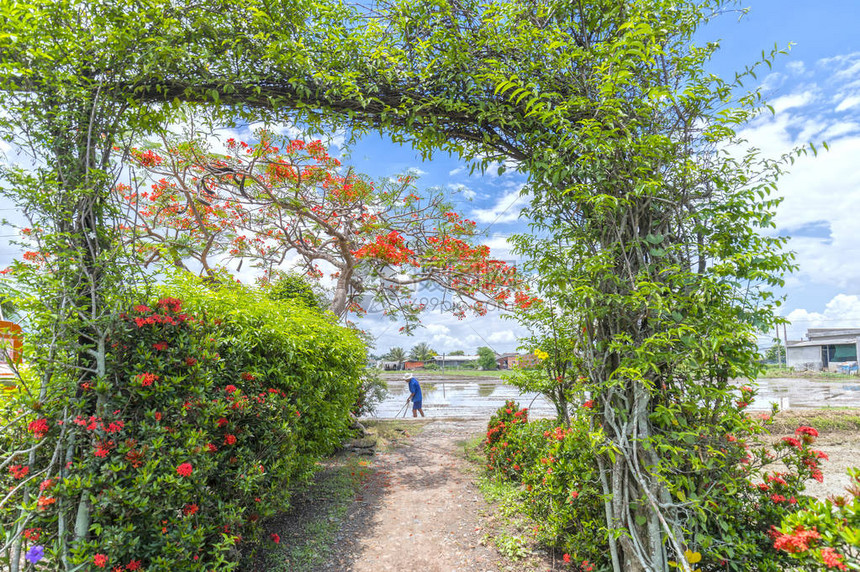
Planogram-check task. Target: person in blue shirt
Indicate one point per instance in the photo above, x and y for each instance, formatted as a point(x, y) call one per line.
point(414, 395)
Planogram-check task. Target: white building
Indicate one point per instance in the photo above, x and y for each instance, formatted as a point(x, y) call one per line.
point(829, 349)
point(453, 361)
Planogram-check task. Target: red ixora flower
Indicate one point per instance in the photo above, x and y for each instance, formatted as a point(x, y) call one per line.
point(230, 389)
point(792, 441)
point(566, 558)
point(141, 308)
point(190, 509)
point(133, 565)
point(275, 538)
point(19, 472)
point(100, 560)
point(247, 376)
point(588, 404)
point(146, 379)
point(184, 469)
point(229, 439)
point(805, 430)
point(189, 361)
point(39, 427)
point(160, 346)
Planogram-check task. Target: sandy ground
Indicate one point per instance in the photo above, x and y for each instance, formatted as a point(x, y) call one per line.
point(420, 510)
point(843, 449)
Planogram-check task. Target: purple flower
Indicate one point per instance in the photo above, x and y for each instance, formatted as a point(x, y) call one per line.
point(35, 554)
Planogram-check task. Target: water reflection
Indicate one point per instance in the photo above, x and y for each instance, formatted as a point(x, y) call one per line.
point(458, 397)
point(799, 393)
point(452, 397)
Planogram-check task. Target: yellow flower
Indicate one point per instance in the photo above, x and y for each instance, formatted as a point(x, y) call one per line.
point(541, 354)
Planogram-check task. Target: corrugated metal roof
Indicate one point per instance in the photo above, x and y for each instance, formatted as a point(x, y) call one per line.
point(827, 342)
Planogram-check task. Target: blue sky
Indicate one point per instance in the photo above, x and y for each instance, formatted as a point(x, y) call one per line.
point(815, 91)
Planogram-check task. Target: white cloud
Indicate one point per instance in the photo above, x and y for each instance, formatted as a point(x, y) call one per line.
point(796, 67)
point(786, 102)
point(456, 171)
point(415, 171)
point(468, 193)
point(506, 209)
point(848, 103)
point(502, 337)
point(842, 311)
point(438, 328)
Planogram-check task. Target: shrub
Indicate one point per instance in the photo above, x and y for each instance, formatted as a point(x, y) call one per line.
point(730, 518)
point(825, 535)
point(285, 345)
point(202, 422)
point(556, 468)
point(371, 393)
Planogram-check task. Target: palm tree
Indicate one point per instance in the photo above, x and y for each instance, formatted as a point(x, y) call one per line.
point(396, 354)
point(421, 352)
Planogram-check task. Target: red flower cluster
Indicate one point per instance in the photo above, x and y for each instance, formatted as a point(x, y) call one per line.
point(171, 304)
point(231, 389)
point(18, 471)
point(146, 379)
point(797, 541)
point(160, 346)
point(104, 448)
point(44, 502)
point(184, 469)
point(832, 559)
point(247, 376)
point(190, 509)
point(390, 247)
point(93, 423)
point(805, 430)
point(39, 428)
point(100, 560)
point(229, 439)
point(275, 538)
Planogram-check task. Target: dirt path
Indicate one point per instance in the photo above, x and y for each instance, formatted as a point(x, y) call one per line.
point(419, 510)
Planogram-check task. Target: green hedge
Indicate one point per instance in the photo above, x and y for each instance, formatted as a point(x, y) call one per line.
point(216, 402)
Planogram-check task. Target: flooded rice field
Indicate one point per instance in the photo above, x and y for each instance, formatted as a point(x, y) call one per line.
point(451, 396)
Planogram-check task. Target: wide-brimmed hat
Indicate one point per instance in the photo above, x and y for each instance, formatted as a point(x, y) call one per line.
point(407, 376)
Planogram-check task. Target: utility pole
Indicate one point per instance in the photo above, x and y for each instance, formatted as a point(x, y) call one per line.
point(778, 356)
point(785, 343)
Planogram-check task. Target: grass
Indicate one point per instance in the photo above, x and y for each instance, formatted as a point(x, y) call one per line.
point(824, 420)
point(330, 495)
point(775, 371)
point(509, 530)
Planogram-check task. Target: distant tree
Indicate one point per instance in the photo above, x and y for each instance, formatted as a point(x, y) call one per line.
point(457, 353)
point(421, 352)
point(775, 353)
point(397, 354)
point(487, 358)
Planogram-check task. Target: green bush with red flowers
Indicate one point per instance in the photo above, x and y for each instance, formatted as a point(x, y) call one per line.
point(826, 534)
point(212, 407)
point(732, 513)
